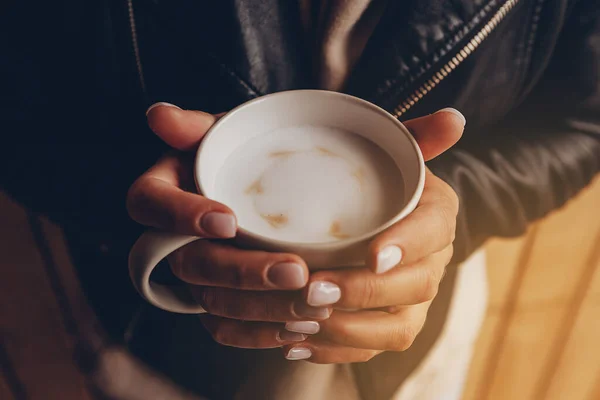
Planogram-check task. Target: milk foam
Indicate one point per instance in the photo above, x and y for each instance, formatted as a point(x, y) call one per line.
point(310, 184)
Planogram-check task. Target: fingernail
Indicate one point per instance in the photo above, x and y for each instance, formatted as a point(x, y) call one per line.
point(455, 112)
point(304, 310)
point(287, 336)
point(219, 224)
point(298, 353)
point(387, 259)
point(287, 275)
point(308, 327)
point(161, 104)
point(323, 293)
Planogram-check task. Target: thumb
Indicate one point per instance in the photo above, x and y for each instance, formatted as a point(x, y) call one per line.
point(436, 133)
point(180, 129)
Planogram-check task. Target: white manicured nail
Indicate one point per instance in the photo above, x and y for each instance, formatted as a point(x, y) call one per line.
point(455, 112)
point(298, 353)
point(219, 224)
point(322, 293)
point(161, 104)
point(388, 258)
point(307, 327)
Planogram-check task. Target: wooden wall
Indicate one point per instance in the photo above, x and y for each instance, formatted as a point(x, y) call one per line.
point(539, 340)
point(36, 284)
point(540, 337)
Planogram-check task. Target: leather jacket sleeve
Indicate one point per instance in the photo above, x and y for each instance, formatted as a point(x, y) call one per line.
point(542, 154)
point(75, 173)
point(70, 119)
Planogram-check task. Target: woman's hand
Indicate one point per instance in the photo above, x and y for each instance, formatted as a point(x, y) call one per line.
point(255, 299)
point(390, 298)
point(248, 295)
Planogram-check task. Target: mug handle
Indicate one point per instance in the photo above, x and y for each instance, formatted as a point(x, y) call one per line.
point(151, 247)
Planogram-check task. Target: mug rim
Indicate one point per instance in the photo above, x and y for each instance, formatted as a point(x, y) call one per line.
point(406, 209)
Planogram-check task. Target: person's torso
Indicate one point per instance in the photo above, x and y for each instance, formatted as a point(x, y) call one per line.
point(478, 56)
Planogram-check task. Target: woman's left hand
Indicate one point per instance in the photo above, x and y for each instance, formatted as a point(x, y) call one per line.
point(384, 306)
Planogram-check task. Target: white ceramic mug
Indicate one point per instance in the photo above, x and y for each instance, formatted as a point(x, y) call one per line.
point(267, 114)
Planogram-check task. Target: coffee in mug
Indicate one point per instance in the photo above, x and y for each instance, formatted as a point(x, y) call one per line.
point(310, 184)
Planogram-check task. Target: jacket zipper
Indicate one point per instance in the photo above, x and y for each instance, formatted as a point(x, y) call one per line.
point(417, 95)
point(134, 44)
point(451, 65)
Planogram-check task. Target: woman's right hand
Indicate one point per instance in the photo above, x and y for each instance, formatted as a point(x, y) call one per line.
point(248, 295)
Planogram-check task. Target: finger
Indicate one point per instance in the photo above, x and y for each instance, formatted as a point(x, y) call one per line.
point(156, 200)
point(210, 263)
point(428, 229)
point(256, 306)
point(360, 288)
point(319, 351)
point(249, 335)
point(437, 132)
point(375, 330)
point(180, 129)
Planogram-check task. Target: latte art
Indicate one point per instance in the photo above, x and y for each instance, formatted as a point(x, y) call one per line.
point(284, 174)
point(310, 184)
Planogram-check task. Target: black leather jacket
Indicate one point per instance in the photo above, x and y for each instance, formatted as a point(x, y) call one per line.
point(74, 87)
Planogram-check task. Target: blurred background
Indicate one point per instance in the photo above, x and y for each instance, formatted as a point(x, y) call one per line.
point(539, 339)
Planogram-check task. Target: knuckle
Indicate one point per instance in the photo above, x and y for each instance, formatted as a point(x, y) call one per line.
point(449, 196)
point(210, 301)
point(429, 285)
point(402, 338)
point(342, 333)
point(447, 229)
point(440, 262)
point(221, 334)
point(444, 271)
point(134, 199)
point(221, 330)
point(448, 253)
point(453, 200)
point(144, 208)
point(369, 293)
point(453, 234)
